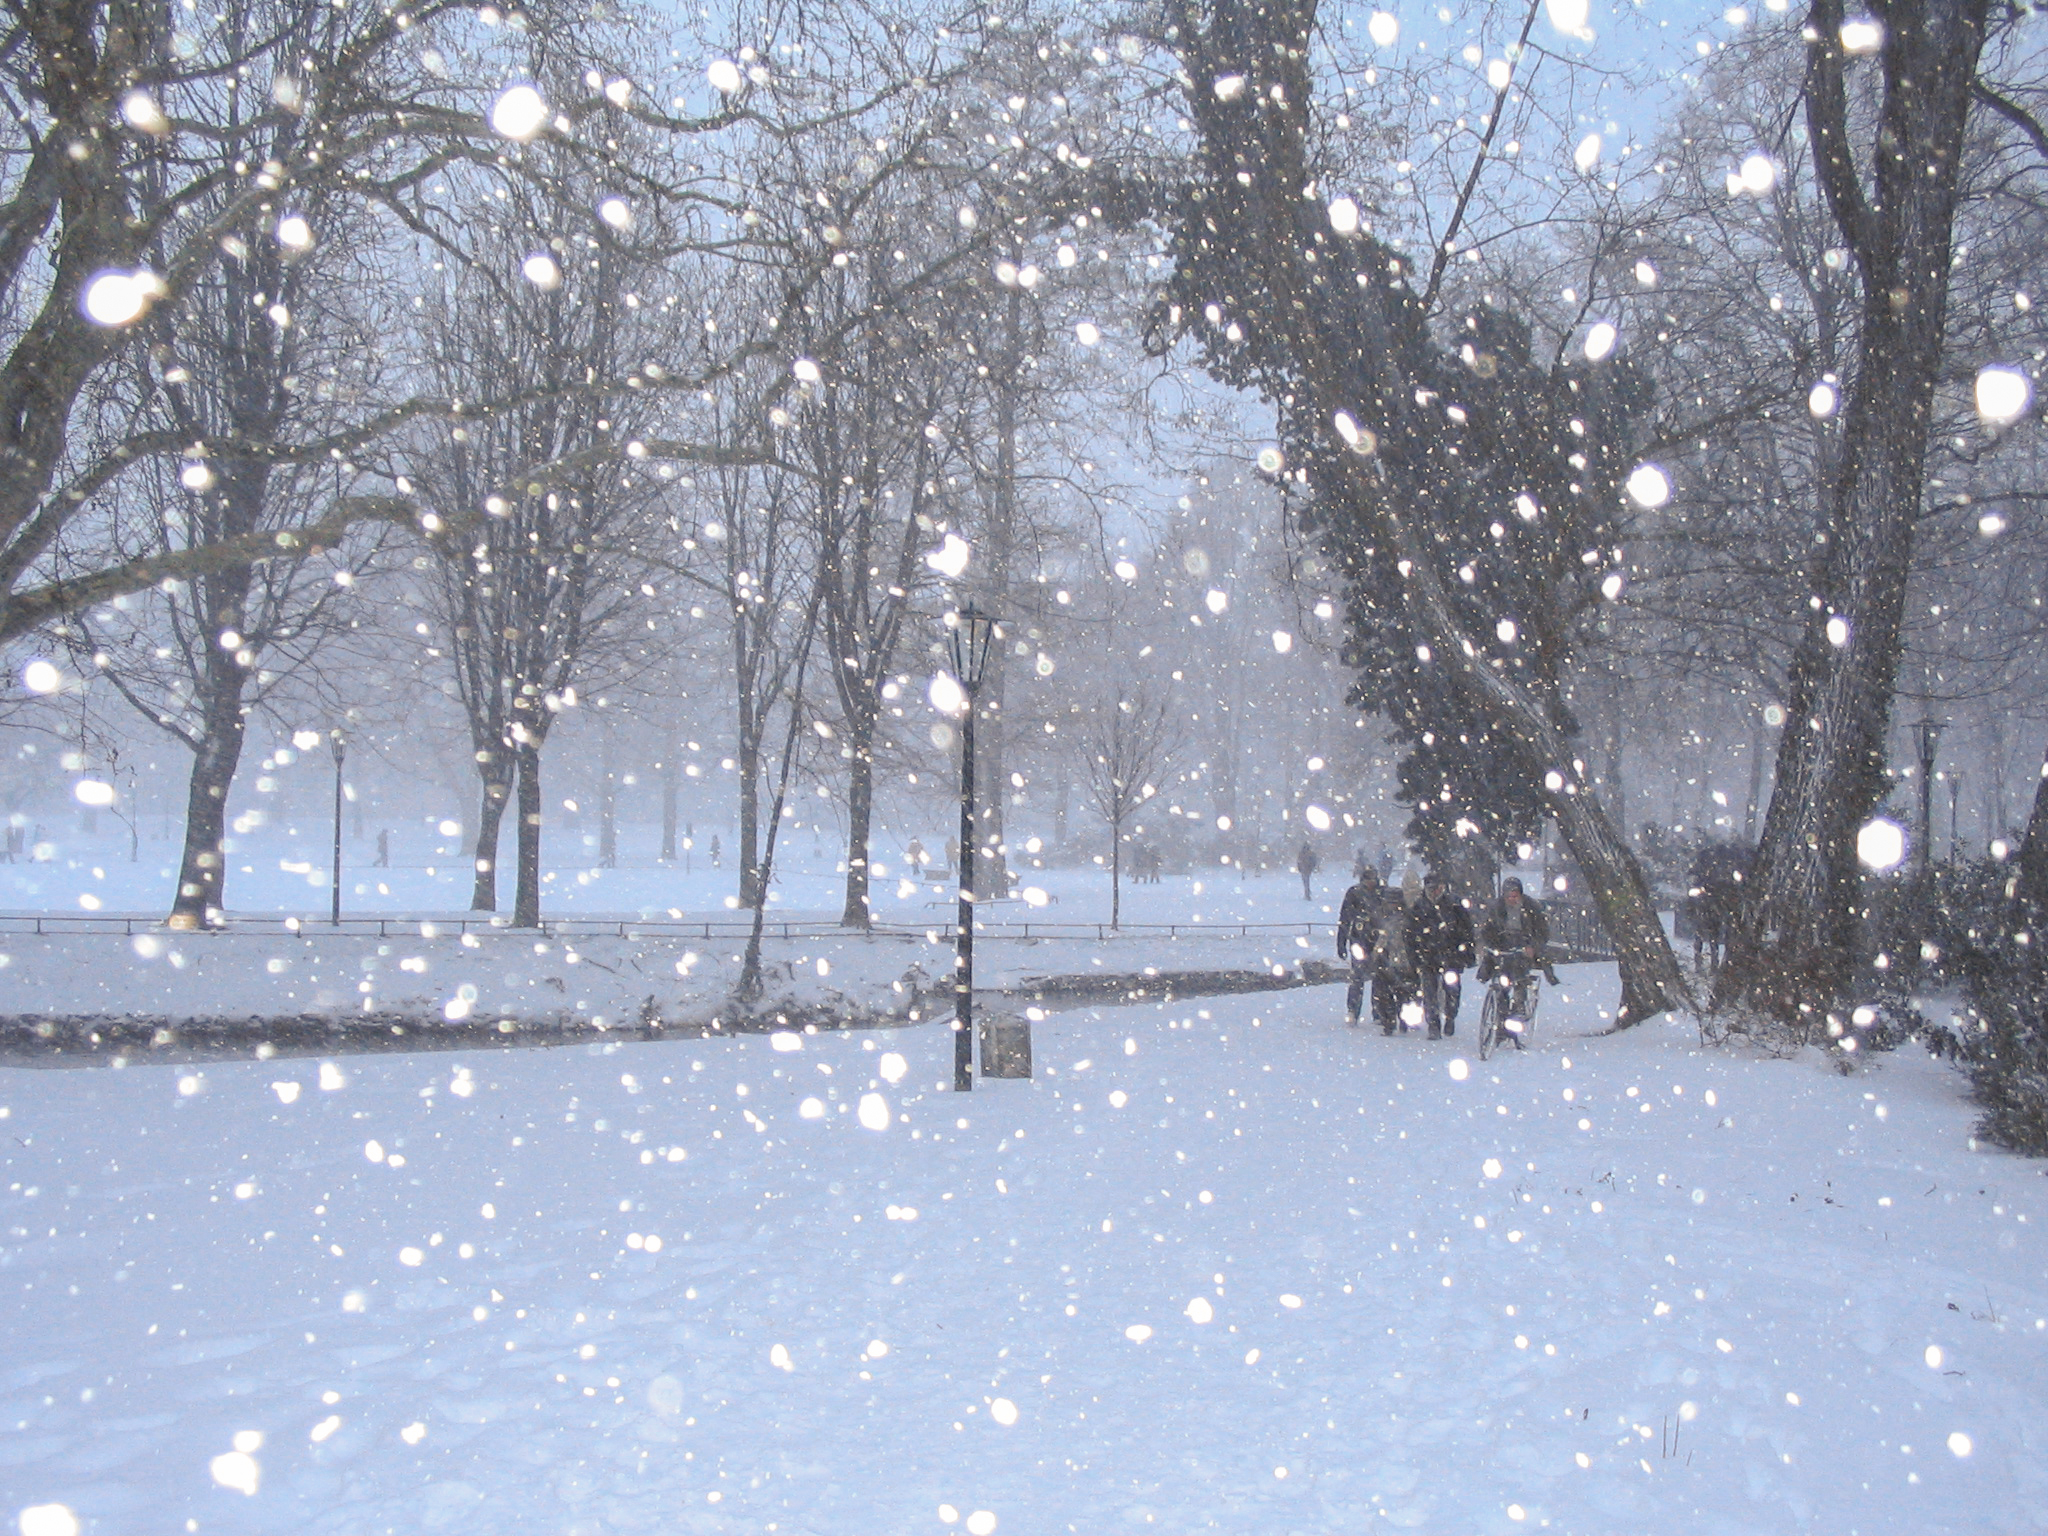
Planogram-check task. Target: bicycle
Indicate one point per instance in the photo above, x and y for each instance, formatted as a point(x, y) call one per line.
point(1512, 999)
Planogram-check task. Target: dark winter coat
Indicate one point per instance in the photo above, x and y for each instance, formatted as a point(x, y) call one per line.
point(1535, 928)
point(1440, 934)
point(1390, 952)
point(1357, 918)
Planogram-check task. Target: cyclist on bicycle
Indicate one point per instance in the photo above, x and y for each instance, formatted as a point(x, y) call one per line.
point(1515, 926)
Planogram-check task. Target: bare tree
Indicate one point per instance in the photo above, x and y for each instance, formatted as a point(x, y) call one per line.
point(1125, 744)
point(540, 511)
point(235, 363)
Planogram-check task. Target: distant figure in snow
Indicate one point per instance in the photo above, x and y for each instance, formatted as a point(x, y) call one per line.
point(12, 852)
point(916, 857)
point(1305, 865)
point(383, 848)
point(952, 853)
point(1356, 933)
point(35, 843)
point(715, 851)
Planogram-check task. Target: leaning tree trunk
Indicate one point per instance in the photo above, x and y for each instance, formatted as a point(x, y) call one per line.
point(1793, 948)
point(1255, 145)
point(526, 897)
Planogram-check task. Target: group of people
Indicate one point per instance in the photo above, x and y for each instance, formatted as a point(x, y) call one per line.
point(1412, 948)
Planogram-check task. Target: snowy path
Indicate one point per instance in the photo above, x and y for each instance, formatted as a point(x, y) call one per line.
point(477, 1337)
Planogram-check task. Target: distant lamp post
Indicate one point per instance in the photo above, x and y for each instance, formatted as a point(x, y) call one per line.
point(1955, 792)
point(973, 635)
point(340, 748)
point(1926, 732)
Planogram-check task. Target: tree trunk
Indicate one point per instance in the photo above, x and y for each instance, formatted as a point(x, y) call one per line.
point(750, 822)
point(860, 805)
point(2030, 884)
point(526, 897)
point(1116, 874)
point(1793, 949)
point(490, 816)
point(1994, 778)
point(671, 774)
point(1753, 802)
point(749, 988)
point(608, 812)
point(202, 871)
point(992, 874)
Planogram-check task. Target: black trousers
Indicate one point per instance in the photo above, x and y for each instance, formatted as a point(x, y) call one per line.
point(1391, 990)
point(1354, 995)
point(1441, 991)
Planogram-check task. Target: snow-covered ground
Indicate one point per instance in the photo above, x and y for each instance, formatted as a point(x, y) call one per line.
point(1222, 1266)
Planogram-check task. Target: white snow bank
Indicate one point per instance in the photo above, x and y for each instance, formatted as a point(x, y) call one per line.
point(428, 971)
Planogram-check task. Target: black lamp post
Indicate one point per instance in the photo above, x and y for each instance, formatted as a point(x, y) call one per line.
point(1926, 731)
point(1955, 792)
point(973, 634)
point(340, 748)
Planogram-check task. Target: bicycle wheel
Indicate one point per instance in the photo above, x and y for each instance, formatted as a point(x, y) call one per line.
point(1490, 1015)
point(1532, 1005)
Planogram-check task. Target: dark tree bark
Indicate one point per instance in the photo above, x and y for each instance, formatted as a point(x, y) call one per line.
point(671, 776)
point(526, 896)
point(490, 817)
point(748, 756)
point(860, 810)
point(2030, 881)
point(1794, 944)
point(202, 866)
point(608, 811)
point(1335, 352)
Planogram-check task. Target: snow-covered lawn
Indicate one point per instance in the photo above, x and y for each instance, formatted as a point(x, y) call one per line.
point(1222, 1266)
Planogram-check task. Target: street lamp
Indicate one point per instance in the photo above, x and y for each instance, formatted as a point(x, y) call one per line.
point(973, 635)
point(340, 749)
point(1955, 791)
point(1926, 731)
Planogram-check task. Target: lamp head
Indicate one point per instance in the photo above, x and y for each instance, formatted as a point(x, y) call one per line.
point(1926, 730)
point(337, 743)
point(971, 639)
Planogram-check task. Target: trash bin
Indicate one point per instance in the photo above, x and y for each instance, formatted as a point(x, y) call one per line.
point(1005, 1046)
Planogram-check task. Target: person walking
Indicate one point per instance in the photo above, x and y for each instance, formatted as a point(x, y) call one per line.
point(1440, 939)
point(1305, 865)
point(1357, 934)
point(1394, 982)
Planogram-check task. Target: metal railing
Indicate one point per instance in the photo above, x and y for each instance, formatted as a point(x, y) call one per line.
point(1576, 932)
point(423, 925)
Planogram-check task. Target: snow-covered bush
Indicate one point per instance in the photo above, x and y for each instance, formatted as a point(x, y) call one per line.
point(2006, 1047)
